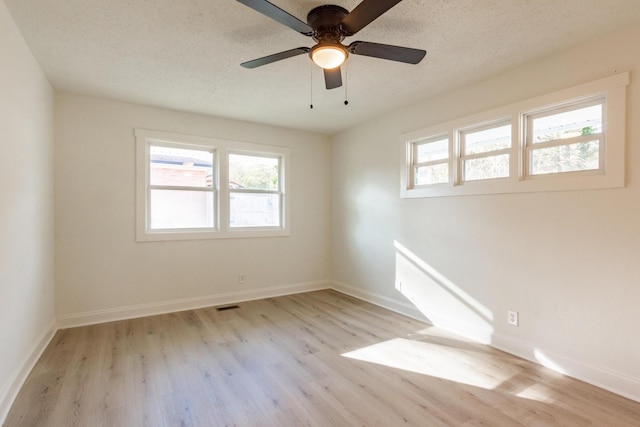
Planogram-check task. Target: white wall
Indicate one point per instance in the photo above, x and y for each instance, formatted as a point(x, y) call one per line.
point(99, 265)
point(26, 210)
point(567, 261)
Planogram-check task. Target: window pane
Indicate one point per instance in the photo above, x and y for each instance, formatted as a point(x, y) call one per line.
point(254, 210)
point(253, 172)
point(181, 209)
point(492, 139)
point(432, 150)
point(180, 167)
point(486, 167)
point(433, 174)
point(566, 158)
point(582, 121)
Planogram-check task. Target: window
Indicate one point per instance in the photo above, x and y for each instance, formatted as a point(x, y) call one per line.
point(181, 193)
point(180, 196)
point(485, 152)
point(254, 190)
point(430, 163)
point(567, 140)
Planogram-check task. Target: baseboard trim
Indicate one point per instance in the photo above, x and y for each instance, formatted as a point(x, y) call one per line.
point(142, 310)
point(481, 335)
point(10, 389)
point(607, 379)
point(397, 306)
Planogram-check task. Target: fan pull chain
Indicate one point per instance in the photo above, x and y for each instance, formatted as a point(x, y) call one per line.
point(346, 82)
point(310, 86)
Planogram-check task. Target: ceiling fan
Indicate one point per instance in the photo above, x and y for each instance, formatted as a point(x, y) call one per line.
point(328, 25)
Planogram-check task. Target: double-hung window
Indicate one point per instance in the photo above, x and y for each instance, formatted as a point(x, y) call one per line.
point(485, 152)
point(255, 190)
point(181, 195)
point(430, 161)
point(192, 187)
point(565, 139)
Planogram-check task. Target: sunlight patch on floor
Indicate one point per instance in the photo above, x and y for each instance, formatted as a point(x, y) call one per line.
point(433, 360)
point(537, 392)
point(546, 361)
point(474, 368)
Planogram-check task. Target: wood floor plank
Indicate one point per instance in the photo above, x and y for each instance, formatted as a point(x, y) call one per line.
point(315, 359)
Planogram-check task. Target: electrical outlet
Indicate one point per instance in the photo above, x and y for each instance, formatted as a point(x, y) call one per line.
point(241, 279)
point(513, 318)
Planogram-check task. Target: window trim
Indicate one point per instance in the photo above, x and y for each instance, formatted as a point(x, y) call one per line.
point(221, 149)
point(612, 89)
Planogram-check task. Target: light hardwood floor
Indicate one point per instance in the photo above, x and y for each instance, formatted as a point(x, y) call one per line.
point(317, 359)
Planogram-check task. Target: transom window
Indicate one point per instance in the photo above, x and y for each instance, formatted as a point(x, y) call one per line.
point(567, 140)
point(485, 152)
point(180, 196)
point(431, 164)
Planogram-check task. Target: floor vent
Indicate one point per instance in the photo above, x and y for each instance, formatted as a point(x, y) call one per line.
point(227, 307)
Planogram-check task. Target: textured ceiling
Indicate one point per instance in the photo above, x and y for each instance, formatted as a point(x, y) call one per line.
point(185, 54)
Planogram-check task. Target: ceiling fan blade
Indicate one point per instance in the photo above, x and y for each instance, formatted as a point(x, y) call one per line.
point(332, 78)
point(274, 12)
point(387, 51)
point(365, 13)
point(275, 57)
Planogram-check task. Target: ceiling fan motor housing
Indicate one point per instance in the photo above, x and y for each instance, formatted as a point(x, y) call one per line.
point(325, 21)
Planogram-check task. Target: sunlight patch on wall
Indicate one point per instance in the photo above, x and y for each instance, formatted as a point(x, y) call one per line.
point(439, 299)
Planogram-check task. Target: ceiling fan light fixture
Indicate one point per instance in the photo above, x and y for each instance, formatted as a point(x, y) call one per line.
point(328, 56)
